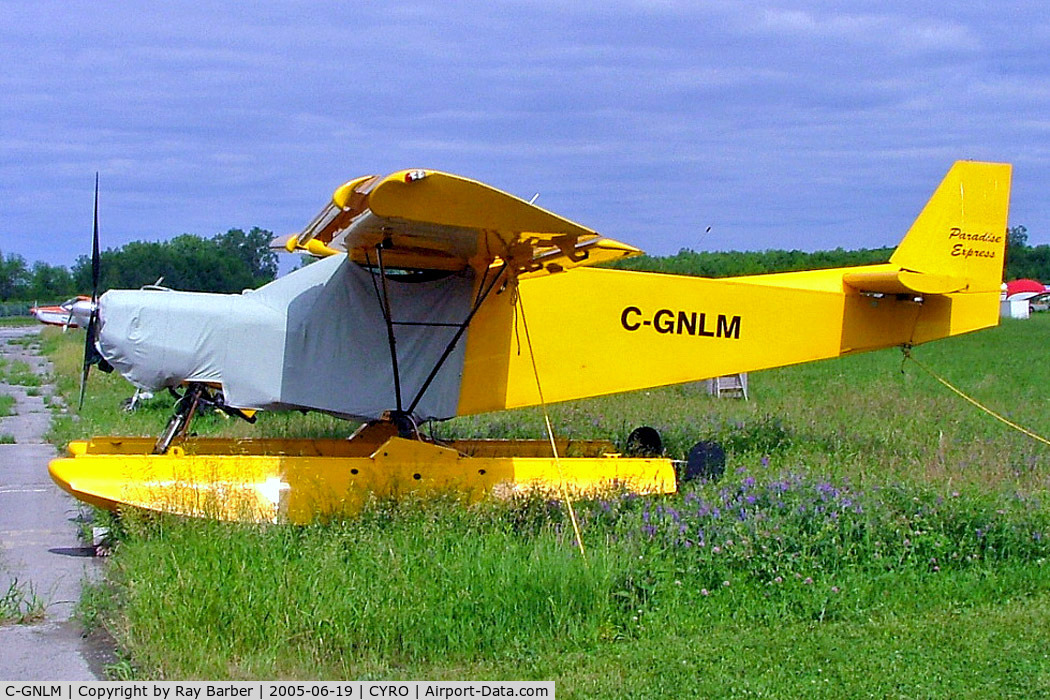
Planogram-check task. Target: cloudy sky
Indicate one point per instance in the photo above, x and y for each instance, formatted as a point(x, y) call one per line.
point(778, 124)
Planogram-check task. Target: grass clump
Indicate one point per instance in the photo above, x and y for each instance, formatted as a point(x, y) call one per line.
point(7, 439)
point(20, 605)
point(7, 405)
point(21, 374)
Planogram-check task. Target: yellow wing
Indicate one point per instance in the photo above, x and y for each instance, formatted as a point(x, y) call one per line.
point(429, 220)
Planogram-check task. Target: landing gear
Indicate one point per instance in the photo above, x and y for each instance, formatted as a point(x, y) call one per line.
point(405, 424)
point(197, 394)
point(706, 460)
point(130, 404)
point(645, 442)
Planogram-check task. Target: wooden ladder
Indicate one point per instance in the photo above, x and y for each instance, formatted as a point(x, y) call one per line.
point(732, 385)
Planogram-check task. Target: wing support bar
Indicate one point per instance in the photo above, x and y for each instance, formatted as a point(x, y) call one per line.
point(482, 295)
point(485, 287)
point(387, 317)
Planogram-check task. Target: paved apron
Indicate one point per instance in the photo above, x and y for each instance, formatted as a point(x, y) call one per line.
point(39, 545)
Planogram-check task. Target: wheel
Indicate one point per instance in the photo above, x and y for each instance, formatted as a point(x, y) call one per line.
point(706, 460)
point(644, 442)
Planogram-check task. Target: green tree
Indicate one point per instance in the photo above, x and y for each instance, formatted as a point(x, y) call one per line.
point(228, 262)
point(49, 282)
point(14, 277)
point(253, 250)
point(735, 263)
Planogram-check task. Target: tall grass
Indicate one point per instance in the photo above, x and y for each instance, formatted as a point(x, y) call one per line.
point(437, 583)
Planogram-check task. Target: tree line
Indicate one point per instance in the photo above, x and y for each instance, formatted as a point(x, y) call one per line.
point(235, 260)
point(227, 262)
point(1022, 260)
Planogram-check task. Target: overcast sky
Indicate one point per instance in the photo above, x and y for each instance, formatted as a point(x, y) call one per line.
point(778, 124)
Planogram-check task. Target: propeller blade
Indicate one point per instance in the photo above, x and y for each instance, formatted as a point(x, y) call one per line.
point(87, 368)
point(91, 353)
point(95, 256)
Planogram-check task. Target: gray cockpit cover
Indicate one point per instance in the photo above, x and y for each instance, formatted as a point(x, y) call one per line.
point(313, 339)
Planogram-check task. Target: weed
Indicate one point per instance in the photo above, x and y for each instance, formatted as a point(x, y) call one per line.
point(7, 439)
point(22, 374)
point(7, 405)
point(20, 605)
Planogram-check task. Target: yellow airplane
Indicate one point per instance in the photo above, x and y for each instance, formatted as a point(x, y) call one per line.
point(438, 296)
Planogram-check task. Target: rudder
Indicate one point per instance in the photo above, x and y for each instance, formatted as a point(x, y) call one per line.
point(961, 232)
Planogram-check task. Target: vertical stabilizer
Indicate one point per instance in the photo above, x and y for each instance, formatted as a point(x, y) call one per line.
point(961, 232)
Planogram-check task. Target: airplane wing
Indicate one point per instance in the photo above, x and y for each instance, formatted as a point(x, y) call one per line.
point(429, 220)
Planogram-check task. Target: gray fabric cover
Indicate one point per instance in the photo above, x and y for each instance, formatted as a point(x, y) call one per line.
point(313, 339)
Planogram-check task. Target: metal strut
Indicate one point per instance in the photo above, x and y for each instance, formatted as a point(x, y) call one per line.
point(455, 339)
point(382, 294)
point(197, 394)
point(391, 339)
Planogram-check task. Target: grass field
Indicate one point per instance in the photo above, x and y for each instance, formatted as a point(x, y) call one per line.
point(12, 321)
point(874, 535)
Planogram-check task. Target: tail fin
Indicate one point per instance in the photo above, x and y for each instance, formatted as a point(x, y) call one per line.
point(960, 235)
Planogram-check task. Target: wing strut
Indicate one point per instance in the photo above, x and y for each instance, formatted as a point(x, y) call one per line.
point(485, 287)
point(482, 295)
point(385, 302)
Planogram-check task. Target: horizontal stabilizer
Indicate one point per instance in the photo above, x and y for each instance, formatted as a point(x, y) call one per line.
point(903, 282)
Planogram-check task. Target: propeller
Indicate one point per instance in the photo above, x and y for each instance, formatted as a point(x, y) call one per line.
point(91, 353)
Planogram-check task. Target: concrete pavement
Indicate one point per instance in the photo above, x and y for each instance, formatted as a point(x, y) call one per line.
point(39, 545)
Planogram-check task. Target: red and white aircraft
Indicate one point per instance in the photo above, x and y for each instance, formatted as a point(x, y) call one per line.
point(73, 313)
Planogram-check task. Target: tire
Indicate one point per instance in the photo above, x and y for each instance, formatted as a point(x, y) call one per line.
point(706, 461)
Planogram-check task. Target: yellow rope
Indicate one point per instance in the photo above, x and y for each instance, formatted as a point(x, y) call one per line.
point(908, 356)
point(550, 434)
